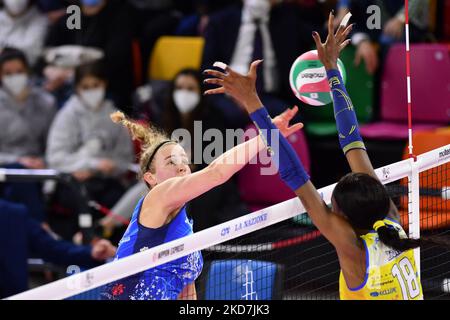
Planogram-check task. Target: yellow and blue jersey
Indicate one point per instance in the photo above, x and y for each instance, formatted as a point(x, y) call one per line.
point(390, 274)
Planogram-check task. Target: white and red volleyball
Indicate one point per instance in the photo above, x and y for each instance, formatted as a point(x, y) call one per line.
point(308, 79)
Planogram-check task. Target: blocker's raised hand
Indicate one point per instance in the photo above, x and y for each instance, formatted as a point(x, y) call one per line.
point(329, 51)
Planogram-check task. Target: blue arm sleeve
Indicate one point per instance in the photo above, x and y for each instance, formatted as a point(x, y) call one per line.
point(344, 113)
point(290, 167)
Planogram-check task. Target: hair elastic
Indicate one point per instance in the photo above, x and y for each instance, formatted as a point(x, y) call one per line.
point(378, 224)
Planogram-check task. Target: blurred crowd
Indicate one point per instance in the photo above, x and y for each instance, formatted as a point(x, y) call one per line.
point(60, 84)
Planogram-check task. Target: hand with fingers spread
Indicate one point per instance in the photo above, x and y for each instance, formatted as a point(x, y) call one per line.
point(240, 87)
point(329, 51)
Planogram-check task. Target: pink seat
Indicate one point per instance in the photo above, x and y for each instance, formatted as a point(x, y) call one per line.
point(260, 191)
point(392, 130)
point(430, 86)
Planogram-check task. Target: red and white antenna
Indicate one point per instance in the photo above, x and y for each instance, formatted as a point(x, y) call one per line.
point(408, 80)
point(414, 185)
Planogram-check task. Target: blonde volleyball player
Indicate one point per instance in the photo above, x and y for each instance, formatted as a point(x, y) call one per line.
point(374, 251)
point(161, 217)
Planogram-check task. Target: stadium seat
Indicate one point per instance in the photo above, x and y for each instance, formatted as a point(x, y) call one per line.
point(260, 191)
point(430, 98)
point(360, 88)
point(172, 54)
point(434, 209)
point(243, 280)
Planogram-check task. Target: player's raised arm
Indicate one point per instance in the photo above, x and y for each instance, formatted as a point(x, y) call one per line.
point(346, 121)
point(242, 88)
point(347, 126)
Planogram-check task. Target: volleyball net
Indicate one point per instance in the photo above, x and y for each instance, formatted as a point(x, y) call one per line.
point(276, 253)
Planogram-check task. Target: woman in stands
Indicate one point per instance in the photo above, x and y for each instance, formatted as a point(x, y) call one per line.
point(161, 217)
point(85, 143)
point(26, 113)
point(363, 225)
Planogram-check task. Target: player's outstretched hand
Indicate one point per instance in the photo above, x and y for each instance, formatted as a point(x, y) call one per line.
point(329, 51)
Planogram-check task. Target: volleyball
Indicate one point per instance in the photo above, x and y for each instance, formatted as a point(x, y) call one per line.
point(308, 79)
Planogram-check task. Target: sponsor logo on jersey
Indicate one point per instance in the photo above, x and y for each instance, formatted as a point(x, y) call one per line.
point(392, 254)
point(383, 292)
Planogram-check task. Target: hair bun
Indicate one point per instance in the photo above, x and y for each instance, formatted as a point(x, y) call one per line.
point(117, 116)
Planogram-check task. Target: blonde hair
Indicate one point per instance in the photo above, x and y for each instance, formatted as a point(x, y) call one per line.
point(150, 137)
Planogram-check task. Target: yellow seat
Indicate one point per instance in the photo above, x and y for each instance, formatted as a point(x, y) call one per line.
point(172, 54)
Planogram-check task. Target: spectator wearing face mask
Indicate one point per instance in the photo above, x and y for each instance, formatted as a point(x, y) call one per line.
point(24, 27)
point(26, 113)
point(185, 104)
point(85, 142)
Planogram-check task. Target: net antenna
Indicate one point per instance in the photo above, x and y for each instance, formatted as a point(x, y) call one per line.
point(408, 80)
point(414, 183)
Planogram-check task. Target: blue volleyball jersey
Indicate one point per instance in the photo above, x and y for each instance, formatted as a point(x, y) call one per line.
point(164, 282)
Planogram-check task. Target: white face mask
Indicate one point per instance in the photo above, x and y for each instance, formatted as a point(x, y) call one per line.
point(93, 98)
point(15, 83)
point(15, 7)
point(258, 9)
point(185, 100)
